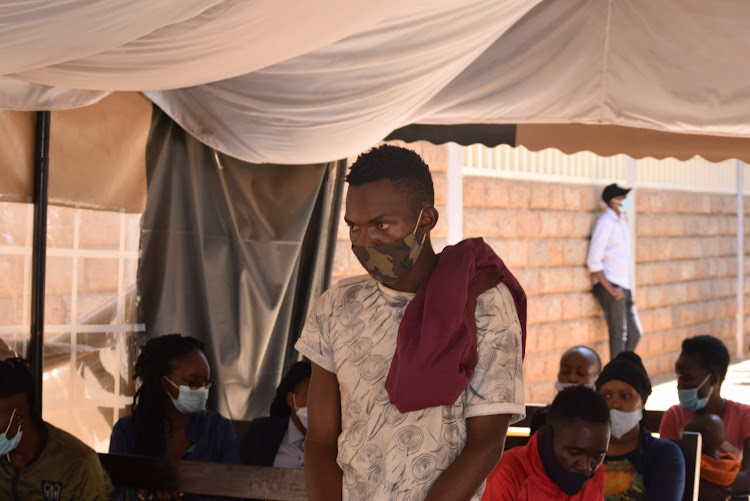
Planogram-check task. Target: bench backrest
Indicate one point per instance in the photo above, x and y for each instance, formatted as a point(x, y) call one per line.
point(691, 444)
point(208, 479)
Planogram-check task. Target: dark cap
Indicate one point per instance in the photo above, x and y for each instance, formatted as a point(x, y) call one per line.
point(627, 367)
point(612, 191)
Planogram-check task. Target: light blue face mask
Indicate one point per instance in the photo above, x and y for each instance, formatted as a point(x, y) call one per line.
point(7, 445)
point(689, 398)
point(189, 401)
point(625, 205)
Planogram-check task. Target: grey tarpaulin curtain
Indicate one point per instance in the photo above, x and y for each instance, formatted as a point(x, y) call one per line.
point(221, 259)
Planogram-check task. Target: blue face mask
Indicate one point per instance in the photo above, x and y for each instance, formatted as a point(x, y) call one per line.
point(689, 398)
point(625, 205)
point(7, 445)
point(570, 482)
point(189, 401)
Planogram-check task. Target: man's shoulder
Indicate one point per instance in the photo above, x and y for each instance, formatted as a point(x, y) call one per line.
point(347, 288)
point(61, 444)
point(498, 292)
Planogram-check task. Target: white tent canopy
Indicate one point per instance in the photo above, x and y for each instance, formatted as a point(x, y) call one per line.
point(300, 82)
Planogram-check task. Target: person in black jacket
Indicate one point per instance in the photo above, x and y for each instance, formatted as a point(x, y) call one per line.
point(278, 440)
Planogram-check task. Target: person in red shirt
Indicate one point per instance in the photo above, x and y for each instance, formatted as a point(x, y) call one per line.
point(701, 369)
point(563, 460)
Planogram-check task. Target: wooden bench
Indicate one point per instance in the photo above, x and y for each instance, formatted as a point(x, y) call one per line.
point(208, 479)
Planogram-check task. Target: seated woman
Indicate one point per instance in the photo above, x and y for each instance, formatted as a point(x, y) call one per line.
point(564, 460)
point(579, 365)
point(701, 369)
point(637, 466)
point(718, 470)
point(168, 418)
point(278, 440)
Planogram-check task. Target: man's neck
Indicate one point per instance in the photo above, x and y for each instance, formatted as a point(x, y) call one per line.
point(28, 447)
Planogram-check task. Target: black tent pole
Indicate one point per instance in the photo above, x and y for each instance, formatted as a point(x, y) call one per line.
point(39, 250)
point(336, 198)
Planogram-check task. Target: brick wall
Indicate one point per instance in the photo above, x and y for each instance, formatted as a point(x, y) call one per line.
point(686, 271)
point(685, 264)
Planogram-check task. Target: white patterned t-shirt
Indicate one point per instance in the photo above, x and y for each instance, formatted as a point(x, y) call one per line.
point(384, 454)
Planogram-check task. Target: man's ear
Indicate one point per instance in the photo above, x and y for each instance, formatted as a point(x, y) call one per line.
point(290, 399)
point(429, 219)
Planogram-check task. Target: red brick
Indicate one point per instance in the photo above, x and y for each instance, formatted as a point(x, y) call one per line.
point(572, 197)
point(555, 249)
point(555, 280)
point(556, 198)
point(528, 223)
point(540, 196)
point(513, 251)
point(441, 189)
point(574, 251)
point(519, 196)
point(546, 308)
point(538, 252)
point(529, 279)
point(571, 306)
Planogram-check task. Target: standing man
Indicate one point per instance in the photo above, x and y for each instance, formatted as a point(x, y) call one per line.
point(416, 367)
point(609, 262)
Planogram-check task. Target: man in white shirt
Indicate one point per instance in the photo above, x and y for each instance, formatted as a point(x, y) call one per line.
point(609, 263)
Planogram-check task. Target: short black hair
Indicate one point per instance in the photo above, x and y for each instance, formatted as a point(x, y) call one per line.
point(710, 351)
point(403, 167)
point(579, 402)
point(589, 349)
point(297, 373)
point(16, 378)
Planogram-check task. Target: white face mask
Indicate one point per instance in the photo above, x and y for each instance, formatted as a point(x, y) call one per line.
point(623, 422)
point(189, 401)
point(561, 386)
point(301, 412)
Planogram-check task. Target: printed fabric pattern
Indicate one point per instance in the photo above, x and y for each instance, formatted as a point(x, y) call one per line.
point(386, 454)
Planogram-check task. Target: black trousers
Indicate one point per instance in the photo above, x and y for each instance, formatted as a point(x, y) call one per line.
point(622, 320)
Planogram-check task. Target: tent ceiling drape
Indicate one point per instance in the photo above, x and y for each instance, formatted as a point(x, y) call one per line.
point(283, 82)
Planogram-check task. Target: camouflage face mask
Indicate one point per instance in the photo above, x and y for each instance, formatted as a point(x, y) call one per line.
point(390, 262)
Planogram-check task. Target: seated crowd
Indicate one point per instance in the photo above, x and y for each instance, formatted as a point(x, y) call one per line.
point(589, 444)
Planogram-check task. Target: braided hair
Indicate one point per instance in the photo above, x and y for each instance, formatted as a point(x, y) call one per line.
point(154, 362)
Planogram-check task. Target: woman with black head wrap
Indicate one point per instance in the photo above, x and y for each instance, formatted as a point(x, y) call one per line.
point(637, 466)
point(278, 440)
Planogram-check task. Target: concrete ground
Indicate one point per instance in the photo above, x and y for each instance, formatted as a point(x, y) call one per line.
point(736, 387)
